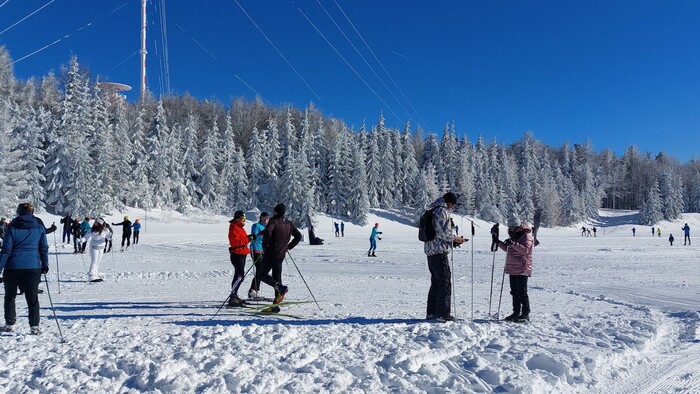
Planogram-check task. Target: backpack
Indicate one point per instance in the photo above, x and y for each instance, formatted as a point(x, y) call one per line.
point(426, 231)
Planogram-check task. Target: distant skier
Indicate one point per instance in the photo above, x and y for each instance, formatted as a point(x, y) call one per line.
point(671, 239)
point(494, 237)
point(75, 231)
point(337, 229)
point(238, 250)
point(658, 231)
point(256, 250)
point(583, 231)
point(518, 266)
point(137, 230)
point(67, 222)
point(686, 234)
point(437, 252)
point(373, 240)
point(97, 237)
point(634, 232)
point(108, 239)
point(85, 228)
point(595, 230)
point(342, 229)
point(126, 232)
point(652, 232)
point(24, 257)
point(280, 235)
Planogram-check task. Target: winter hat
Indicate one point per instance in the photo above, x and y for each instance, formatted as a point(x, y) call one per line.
point(25, 208)
point(280, 209)
point(238, 215)
point(264, 215)
point(513, 221)
point(450, 197)
point(126, 218)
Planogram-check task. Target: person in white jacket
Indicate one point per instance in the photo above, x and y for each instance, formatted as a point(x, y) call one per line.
point(97, 238)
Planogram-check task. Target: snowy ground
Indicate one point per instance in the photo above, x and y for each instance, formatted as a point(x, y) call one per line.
point(610, 314)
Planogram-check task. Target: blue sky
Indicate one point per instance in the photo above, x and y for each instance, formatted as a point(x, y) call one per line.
point(614, 73)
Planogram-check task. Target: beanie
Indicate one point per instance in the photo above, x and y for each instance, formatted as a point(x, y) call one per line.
point(450, 197)
point(264, 215)
point(238, 215)
point(513, 221)
point(280, 209)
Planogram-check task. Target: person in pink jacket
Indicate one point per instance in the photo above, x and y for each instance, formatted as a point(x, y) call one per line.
point(518, 250)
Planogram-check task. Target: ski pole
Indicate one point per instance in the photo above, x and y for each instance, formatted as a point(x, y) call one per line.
point(58, 272)
point(63, 340)
point(498, 313)
point(493, 268)
point(114, 266)
point(302, 278)
point(222, 305)
point(473, 232)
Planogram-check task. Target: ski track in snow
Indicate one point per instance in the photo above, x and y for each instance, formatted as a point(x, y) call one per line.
point(606, 318)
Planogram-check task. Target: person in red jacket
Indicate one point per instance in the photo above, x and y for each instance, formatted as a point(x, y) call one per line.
point(238, 240)
point(518, 250)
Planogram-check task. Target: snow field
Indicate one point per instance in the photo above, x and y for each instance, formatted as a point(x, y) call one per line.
point(614, 313)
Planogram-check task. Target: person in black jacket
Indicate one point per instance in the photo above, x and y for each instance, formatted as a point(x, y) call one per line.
point(24, 257)
point(67, 222)
point(75, 230)
point(494, 237)
point(276, 243)
point(126, 232)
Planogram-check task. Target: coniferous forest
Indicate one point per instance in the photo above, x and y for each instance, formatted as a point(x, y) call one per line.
point(70, 147)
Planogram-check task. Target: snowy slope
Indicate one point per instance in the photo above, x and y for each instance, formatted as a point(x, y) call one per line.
point(614, 313)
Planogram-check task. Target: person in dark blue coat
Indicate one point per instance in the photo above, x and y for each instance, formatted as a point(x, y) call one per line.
point(23, 258)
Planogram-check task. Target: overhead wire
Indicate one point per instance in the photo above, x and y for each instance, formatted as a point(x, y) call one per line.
point(276, 49)
point(23, 19)
point(123, 61)
point(164, 44)
point(221, 63)
point(5, 2)
point(68, 35)
point(363, 59)
point(350, 65)
point(380, 63)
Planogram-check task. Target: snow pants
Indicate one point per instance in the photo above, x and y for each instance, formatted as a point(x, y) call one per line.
point(518, 289)
point(440, 293)
point(29, 280)
point(273, 264)
point(66, 234)
point(686, 238)
point(126, 237)
point(238, 261)
point(136, 237)
point(95, 258)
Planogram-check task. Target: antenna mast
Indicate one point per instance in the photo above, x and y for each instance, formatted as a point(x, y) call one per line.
point(143, 50)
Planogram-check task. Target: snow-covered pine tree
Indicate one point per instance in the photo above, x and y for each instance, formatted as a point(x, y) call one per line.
point(387, 182)
point(157, 141)
point(255, 159)
point(411, 173)
point(12, 167)
point(337, 199)
point(237, 182)
point(358, 206)
point(651, 211)
point(373, 165)
point(671, 192)
point(209, 177)
point(191, 158)
point(141, 191)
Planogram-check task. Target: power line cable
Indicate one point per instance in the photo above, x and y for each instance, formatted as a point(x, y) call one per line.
point(6, 1)
point(221, 63)
point(164, 43)
point(364, 59)
point(380, 63)
point(349, 65)
point(69, 34)
point(23, 19)
point(124, 61)
point(278, 51)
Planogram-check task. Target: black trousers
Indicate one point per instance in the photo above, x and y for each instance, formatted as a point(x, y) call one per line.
point(257, 260)
point(136, 237)
point(29, 280)
point(273, 264)
point(66, 233)
point(518, 289)
point(238, 261)
point(126, 237)
point(494, 244)
point(686, 238)
point(440, 293)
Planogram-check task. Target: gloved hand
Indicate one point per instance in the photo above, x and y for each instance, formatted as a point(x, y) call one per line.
point(44, 269)
point(507, 242)
point(53, 227)
point(381, 232)
point(379, 238)
point(252, 237)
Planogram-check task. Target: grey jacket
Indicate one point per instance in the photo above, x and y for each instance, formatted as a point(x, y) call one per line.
point(442, 243)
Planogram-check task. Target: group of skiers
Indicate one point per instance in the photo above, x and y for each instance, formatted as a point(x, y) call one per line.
point(686, 235)
point(339, 229)
point(270, 240)
point(587, 232)
point(518, 247)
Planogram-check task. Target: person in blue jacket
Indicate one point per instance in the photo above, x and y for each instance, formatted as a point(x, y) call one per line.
point(256, 251)
point(23, 258)
point(373, 240)
point(686, 234)
point(137, 230)
point(85, 228)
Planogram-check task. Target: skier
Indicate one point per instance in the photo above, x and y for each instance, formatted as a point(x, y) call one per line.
point(108, 239)
point(24, 257)
point(126, 232)
point(595, 231)
point(494, 237)
point(98, 239)
point(583, 231)
point(634, 232)
point(652, 231)
point(257, 252)
point(437, 250)
point(67, 222)
point(84, 233)
point(686, 234)
point(238, 249)
point(671, 239)
point(373, 240)
point(518, 248)
point(342, 229)
point(75, 230)
point(276, 243)
point(337, 229)
point(137, 230)
point(658, 231)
